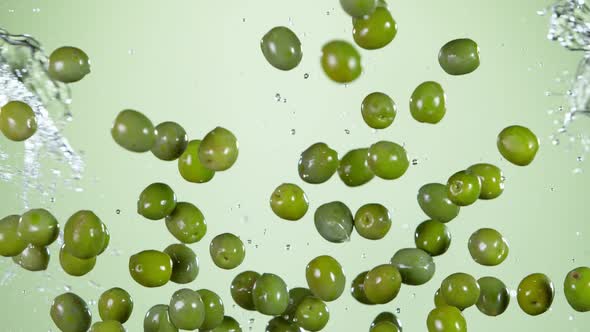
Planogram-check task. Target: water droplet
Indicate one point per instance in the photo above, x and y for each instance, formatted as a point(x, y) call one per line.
point(288, 247)
point(52, 199)
point(249, 241)
point(278, 97)
point(131, 51)
point(580, 158)
point(414, 162)
point(363, 255)
point(328, 13)
point(552, 189)
point(571, 317)
point(513, 293)
point(251, 321)
point(306, 76)
point(555, 141)
point(578, 233)
point(67, 288)
point(347, 131)
point(256, 246)
point(284, 100)
point(244, 220)
point(503, 178)
point(405, 226)
point(11, 11)
point(542, 12)
point(244, 20)
point(548, 93)
point(398, 311)
point(118, 211)
point(577, 170)
point(36, 10)
point(292, 131)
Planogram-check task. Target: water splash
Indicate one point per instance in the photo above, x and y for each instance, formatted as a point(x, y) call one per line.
point(24, 77)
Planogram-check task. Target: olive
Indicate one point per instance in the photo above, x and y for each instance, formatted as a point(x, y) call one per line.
point(459, 56)
point(446, 319)
point(382, 284)
point(357, 289)
point(157, 319)
point(491, 178)
point(270, 295)
point(171, 141)
point(334, 222)
point(488, 247)
point(85, 235)
point(388, 160)
point(434, 201)
point(156, 201)
point(358, 8)
point(115, 304)
point(73, 265)
point(150, 268)
point(433, 237)
point(68, 64)
point(186, 223)
point(70, 313)
point(241, 289)
point(535, 294)
point(460, 290)
point(518, 144)
point(372, 221)
point(214, 309)
point(463, 188)
point(218, 150)
point(378, 110)
point(11, 244)
point(494, 297)
point(288, 201)
point(33, 258)
point(185, 265)
point(107, 326)
point(282, 48)
point(317, 163)
point(186, 309)
point(296, 295)
point(325, 278)
point(341, 61)
point(387, 317)
point(312, 314)
point(428, 103)
point(227, 251)
point(38, 227)
point(374, 31)
point(576, 287)
point(190, 167)
point(133, 131)
point(415, 266)
point(354, 168)
point(17, 121)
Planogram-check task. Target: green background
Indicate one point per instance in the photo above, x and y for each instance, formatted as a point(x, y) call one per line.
point(199, 63)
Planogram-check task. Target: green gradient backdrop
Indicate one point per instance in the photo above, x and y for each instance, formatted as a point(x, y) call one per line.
point(198, 63)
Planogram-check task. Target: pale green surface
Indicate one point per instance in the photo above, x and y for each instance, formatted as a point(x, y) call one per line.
point(203, 50)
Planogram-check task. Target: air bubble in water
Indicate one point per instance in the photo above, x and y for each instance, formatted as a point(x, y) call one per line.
point(306, 76)
point(288, 247)
point(571, 317)
point(346, 131)
point(278, 97)
point(292, 131)
point(398, 310)
point(555, 141)
point(414, 162)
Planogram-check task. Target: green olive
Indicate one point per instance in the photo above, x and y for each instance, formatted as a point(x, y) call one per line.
point(434, 201)
point(378, 110)
point(387, 317)
point(186, 223)
point(17, 121)
point(382, 284)
point(107, 326)
point(576, 287)
point(384, 327)
point(325, 278)
point(241, 289)
point(68, 64)
point(428, 103)
point(282, 48)
point(171, 141)
point(491, 178)
point(186, 309)
point(156, 201)
point(518, 144)
point(229, 324)
point(296, 296)
point(133, 131)
point(70, 313)
point(446, 319)
point(270, 295)
point(190, 167)
point(354, 168)
point(115, 304)
point(84, 235)
point(312, 314)
point(157, 319)
point(73, 265)
point(317, 163)
point(288, 201)
point(358, 8)
point(33, 258)
point(227, 251)
point(334, 222)
point(11, 244)
point(279, 324)
point(494, 297)
point(38, 227)
point(372, 221)
point(150, 268)
point(185, 265)
point(375, 30)
point(460, 290)
point(341, 61)
point(107, 240)
point(218, 150)
point(459, 56)
point(488, 247)
point(388, 160)
point(214, 309)
point(464, 188)
point(357, 289)
point(415, 266)
point(535, 294)
point(433, 237)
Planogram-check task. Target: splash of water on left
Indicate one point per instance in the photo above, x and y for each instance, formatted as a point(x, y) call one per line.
point(49, 160)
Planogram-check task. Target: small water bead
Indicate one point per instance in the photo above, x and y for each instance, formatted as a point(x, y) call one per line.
point(306, 76)
point(244, 20)
point(36, 10)
point(249, 241)
point(571, 317)
point(414, 162)
point(577, 170)
point(278, 97)
point(131, 51)
point(251, 321)
point(118, 211)
point(398, 310)
point(542, 12)
point(67, 288)
point(555, 141)
point(578, 233)
point(288, 247)
point(292, 131)
point(347, 131)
